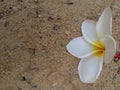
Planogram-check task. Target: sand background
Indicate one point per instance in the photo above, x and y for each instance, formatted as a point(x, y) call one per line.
point(33, 39)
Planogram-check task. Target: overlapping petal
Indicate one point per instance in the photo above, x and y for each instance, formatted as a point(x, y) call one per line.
point(89, 69)
point(79, 47)
point(89, 30)
point(104, 24)
point(110, 48)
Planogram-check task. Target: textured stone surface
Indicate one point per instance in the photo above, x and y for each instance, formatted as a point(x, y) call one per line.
point(33, 39)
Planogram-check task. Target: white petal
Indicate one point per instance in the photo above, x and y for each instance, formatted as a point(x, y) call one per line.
point(110, 48)
point(89, 69)
point(104, 24)
point(78, 47)
point(89, 30)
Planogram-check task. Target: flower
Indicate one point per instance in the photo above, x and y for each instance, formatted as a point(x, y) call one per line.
point(95, 46)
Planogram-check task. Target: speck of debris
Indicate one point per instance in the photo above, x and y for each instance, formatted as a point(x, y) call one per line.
point(6, 23)
point(23, 78)
point(41, 37)
point(1, 0)
point(69, 2)
point(118, 71)
point(116, 59)
point(50, 18)
point(58, 18)
point(62, 44)
point(56, 27)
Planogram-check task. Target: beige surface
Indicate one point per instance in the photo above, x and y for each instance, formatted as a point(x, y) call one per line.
point(33, 39)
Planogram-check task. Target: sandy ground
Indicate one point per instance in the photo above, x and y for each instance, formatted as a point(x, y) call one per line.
point(33, 39)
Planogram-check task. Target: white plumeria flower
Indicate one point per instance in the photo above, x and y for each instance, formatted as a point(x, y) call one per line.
point(95, 46)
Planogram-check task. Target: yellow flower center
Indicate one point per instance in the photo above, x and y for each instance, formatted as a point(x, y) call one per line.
point(98, 48)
